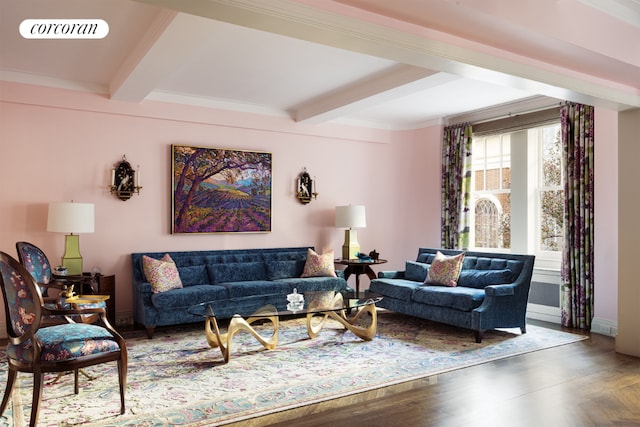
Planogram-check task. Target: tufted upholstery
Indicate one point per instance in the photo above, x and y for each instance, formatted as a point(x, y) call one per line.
point(492, 291)
point(235, 276)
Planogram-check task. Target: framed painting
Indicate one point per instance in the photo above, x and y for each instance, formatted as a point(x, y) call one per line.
point(218, 190)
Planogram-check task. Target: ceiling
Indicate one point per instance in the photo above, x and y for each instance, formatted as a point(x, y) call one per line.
point(398, 64)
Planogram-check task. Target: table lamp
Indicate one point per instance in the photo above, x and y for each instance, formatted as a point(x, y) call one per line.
point(71, 218)
point(350, 217)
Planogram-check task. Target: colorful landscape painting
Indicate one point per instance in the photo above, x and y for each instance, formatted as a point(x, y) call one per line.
point(220, 190)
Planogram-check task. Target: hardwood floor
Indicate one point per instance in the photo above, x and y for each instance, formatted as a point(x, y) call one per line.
point(581, 384)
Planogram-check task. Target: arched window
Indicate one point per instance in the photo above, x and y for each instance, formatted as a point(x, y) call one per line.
point(487, 227)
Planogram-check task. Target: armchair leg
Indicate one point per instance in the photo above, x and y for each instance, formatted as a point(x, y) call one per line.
point(76, 387)
point(122, 379)
point(11, 379)
point(478, 335)
point(38, 379)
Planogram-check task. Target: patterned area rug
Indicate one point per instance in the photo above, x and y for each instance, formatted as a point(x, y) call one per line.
point(176, 379)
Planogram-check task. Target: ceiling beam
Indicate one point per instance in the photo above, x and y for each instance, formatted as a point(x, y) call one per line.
point(486, 64)
point(170, 40)
point(386, 86)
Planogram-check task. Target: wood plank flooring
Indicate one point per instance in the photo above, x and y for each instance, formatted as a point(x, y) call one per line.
point(581, 384)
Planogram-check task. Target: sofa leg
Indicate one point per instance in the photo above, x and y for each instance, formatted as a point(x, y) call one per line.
point(478, 335)
point(523, 329)
point(150, 330)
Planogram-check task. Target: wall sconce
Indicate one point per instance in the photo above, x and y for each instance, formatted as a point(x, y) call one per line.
point(124, 180)
point(306, 187)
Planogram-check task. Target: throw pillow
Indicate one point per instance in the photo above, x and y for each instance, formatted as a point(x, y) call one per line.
point(162, 274)
point(319, 265)
point(445, 270)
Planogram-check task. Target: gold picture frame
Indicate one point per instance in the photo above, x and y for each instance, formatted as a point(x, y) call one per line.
point(216, 190)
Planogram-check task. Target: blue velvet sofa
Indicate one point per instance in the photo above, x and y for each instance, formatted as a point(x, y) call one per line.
point(492, 291)
point(230, 275)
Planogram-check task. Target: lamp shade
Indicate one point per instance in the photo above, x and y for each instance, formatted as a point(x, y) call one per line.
point(351, 216)
point(70, 217)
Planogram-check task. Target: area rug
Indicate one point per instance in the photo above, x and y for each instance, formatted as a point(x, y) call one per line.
point(177, 379)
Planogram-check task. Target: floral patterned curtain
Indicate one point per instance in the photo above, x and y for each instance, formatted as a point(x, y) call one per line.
point(577, 260)
point(456, 186)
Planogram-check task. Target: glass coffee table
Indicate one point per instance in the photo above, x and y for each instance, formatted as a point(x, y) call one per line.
point(321, 307)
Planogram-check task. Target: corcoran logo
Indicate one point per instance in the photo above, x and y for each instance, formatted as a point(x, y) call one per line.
point(64, 29)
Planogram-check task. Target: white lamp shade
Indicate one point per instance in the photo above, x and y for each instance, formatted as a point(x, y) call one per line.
point(351, 216)
point(70, 217)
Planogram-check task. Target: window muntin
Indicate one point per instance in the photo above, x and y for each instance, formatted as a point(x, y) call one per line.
point(540, 184)
point(491, 181)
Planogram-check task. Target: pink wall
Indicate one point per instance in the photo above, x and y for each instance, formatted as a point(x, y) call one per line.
point(606, 216)
point(60, 145)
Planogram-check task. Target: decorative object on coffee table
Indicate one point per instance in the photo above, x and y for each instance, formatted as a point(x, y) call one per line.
point(295, 301)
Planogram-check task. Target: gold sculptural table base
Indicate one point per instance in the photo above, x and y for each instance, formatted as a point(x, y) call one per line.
point(365, 333)
point(237, 324)
point(269, 313)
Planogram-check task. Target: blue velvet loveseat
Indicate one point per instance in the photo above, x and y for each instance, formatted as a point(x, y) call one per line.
point(229, 275)
point(492, 291)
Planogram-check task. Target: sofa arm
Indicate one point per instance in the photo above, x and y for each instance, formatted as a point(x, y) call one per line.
point(391, 275)
point(499, 290)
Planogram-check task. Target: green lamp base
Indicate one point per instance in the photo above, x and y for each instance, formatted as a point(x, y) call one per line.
point(72, 259)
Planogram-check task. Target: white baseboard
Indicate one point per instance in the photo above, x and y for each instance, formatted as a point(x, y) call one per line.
point(604, 327)
point(553, 315)
point(544, 313)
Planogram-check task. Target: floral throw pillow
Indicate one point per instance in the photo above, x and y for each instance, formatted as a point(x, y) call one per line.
point(445, 270)
point(319, 265)
point(162, 274)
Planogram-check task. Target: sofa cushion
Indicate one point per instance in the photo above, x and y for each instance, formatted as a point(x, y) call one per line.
point(458, 298)
point(162, 274)
point(416, 271)
point(194, 275)
point(257, 287)
point(236, 272)
point(479, 279)
point(315, 284)
point(444, 269)
point(401, 289)
point(319, 265)
point(188, 296)
point(284, 269)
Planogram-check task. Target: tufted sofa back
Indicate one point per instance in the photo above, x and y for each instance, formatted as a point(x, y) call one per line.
point(518, 268)
point(198, 267)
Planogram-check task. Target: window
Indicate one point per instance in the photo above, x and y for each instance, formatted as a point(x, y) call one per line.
point(518, 196)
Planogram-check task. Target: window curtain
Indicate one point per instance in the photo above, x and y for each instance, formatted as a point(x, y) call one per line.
point(456, 186)
point(577, 259)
